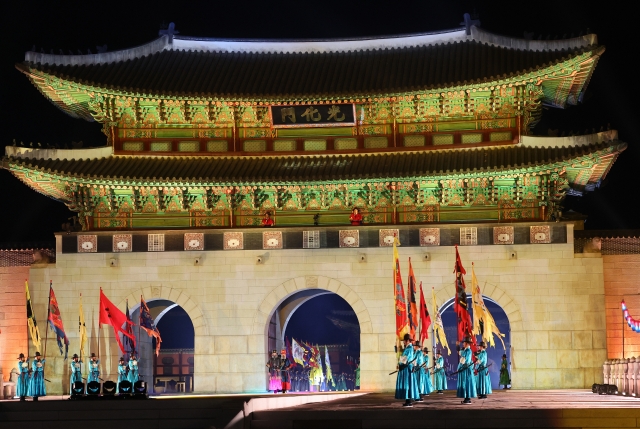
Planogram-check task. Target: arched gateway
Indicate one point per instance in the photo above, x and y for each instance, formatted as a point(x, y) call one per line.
point(190, 171)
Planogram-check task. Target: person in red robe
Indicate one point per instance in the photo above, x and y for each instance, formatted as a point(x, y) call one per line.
point(285, 366)
point(267, 221)
point(356, 217)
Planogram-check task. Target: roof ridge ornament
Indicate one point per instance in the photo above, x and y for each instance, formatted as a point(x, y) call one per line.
point(468, 22)
point(170, 31)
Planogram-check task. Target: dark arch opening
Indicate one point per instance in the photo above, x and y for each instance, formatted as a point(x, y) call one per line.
point(494, 354)
point(175, 363)
point(319, 318)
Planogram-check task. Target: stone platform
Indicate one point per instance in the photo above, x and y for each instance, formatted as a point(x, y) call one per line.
point(503, 409)
point(231, 411)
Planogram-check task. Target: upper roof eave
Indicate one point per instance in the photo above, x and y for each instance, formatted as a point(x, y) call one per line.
point(166, 42)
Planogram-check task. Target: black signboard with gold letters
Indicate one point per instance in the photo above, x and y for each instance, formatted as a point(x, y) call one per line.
point(314, 115)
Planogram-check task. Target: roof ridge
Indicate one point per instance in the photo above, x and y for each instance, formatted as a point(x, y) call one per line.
point(318, 46)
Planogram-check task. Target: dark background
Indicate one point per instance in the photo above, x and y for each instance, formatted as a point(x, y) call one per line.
point(27, 216)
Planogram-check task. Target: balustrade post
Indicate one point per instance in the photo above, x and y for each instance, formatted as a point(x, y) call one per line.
point(606, 372)
point(625, 377)
point(633, 368)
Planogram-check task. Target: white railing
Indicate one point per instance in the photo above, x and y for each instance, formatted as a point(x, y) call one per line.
point(624, 374)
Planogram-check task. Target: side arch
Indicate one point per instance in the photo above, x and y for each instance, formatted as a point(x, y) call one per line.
point(171, 294)
point(290, 287)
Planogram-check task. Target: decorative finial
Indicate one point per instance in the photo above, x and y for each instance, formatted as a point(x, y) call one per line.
point(170, 31)
point(468, 22)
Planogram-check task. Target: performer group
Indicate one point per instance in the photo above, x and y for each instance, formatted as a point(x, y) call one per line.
point(286, 375)
point(31, 380)
point(414, 374)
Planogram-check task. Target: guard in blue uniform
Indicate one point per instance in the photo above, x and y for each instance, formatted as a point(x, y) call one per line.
point(426, 386)
point(483, 378)
point(36, 387)
point(439, 375)
point(76, 372)
point(417, 370)
point(122, 372)
point(94, 369)
point(133, 369)
point(466, 380)
point(22, 386)
point(406, 387)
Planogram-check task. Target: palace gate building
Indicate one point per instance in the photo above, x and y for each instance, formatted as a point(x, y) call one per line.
point(429, 135)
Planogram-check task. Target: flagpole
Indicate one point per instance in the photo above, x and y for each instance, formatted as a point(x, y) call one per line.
point(139, 316)
point(25, 295)
point(99, 329)
point(46, 335)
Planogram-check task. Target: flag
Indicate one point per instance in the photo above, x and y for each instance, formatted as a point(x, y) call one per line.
point(130, 340)
point(55, 322)
point(297, 351)
point(425, 319)
point(31, 321)
point(402, 322)
point(82, 329)
point(460, 305)
point(111, 315)
point(327, 364)
point(288, 350)
point(413, 308)
point(483, 322)
point(438, 327)
point(146, 323)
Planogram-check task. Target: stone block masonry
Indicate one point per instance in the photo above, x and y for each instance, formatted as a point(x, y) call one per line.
point(554, 301)
point(13, 318)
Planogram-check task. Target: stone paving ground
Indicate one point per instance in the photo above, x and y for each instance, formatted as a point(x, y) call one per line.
point(503, 409)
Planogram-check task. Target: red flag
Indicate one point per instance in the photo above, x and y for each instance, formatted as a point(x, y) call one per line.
point(465, 328)
point(413, 309)
point(402, 324)
point(111, 315)
point(425, 319)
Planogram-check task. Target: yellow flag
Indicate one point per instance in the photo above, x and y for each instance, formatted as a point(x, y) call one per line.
point(31, 321)
point(481, 315)
point(82, 329)
point(438, 327)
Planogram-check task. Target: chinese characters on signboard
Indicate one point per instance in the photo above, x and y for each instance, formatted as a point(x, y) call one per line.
point(314, 115)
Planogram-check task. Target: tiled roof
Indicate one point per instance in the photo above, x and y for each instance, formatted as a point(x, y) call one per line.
point(224, 74)
point(289, 169)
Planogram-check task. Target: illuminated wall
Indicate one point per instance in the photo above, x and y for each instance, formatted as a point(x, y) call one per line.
point(13, 318)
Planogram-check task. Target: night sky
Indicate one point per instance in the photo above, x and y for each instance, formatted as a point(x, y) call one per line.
point(309, 323)
point(72, 25)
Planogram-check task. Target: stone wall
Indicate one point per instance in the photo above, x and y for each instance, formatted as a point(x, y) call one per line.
point(621, 281)
point(553, 298)
point(13, 318)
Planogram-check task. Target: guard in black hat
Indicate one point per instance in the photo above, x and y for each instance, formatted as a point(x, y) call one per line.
point(466, 380)
point(123, 369)
point(483, 380)
point(22, 386)
point(94, 369)
point(36, 386)
point(406, 386)
point(76, 372)
point(439, 375)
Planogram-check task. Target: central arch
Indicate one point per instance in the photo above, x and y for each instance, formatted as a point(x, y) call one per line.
point(315, 283)
point(295, 292)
